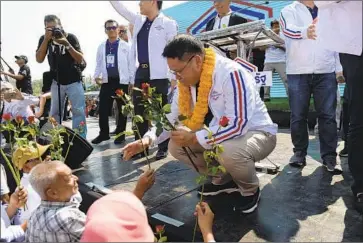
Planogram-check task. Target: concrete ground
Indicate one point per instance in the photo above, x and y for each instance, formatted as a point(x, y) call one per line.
point(303, 205)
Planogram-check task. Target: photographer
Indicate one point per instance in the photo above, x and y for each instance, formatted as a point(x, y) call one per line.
point(66, 63)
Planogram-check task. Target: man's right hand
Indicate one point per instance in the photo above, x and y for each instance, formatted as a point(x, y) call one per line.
point(144, 183)
point(19, 197)
point(134, 148)
point(311, 32)
point(48, 34)
point(205, 220)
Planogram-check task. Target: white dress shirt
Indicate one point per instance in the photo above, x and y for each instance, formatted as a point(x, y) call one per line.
point(339, 26)
point(125, 69)
point(222, 22)
point(163, 29)
point(303, 55)
point(274, 54)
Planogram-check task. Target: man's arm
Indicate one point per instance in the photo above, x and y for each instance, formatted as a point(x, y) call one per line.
point(338, 65)
point(14, 76)
point(43, 46)
point(98, 68)
point(75, 49)
point(74, 225)
point(239, 101)
point(289, 27)
point(123, 11)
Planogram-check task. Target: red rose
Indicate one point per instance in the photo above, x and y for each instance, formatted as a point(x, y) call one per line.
point(31, 119)
point(81, 124)
point(7, 117)
point(145, 87)
point(159, 229)
point(119, 92)
point(223, 122)
point(18, 119)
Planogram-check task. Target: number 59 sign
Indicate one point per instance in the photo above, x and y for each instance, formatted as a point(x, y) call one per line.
point(263, 78)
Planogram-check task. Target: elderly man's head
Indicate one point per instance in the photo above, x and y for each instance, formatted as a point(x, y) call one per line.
point(54, 181)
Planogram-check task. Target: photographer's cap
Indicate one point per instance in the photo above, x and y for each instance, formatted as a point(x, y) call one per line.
point(22, 57)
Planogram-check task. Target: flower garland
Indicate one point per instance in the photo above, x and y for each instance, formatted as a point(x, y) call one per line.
point(195, 118)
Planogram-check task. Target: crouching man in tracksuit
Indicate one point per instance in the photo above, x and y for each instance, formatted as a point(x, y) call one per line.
point(213, 87)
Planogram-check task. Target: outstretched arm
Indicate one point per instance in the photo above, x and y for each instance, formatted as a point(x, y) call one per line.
point(124, 11)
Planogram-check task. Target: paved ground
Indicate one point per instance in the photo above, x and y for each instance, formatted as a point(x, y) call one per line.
point(306, 205)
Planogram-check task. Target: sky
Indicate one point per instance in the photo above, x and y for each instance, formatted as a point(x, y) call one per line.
point(22, 25)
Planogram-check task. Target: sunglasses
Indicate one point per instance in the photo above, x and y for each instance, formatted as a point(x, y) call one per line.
point(111, 28)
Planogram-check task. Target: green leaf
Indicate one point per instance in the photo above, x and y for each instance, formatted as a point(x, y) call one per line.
point(167, 108)
point(222, 169)
point(207, 156)
point(219, 148)
point(159, 131)
point(182, 117)
point(138, 119)
point(214, 170)
point(210, 135)
point(163, 239)
point(127, 97)
point(125, 110)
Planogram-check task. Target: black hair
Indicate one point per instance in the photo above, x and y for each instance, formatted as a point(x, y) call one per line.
point(274, 22)
point(160, 4)
point(51, 18)
point(110, 21)
point(182, 45)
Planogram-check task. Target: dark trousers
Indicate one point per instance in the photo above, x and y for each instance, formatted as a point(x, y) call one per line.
point(324, 90)
point(161, 86)
point(105, 105)
point(353, 68)
point(344, 118)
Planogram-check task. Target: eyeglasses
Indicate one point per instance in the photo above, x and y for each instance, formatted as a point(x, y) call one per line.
point(111, 28)
point(178, 73)
point(123, 31)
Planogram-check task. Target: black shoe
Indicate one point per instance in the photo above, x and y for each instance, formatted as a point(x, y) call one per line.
point(100, 139)
point(212, 190)
point(119, 140)
point(344, 152)
point(331, 167)
point(297, 161)
point(249, 204)
point(358, 203)
point(161, 154)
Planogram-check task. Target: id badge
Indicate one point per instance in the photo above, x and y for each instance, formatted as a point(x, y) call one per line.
point(110, 60)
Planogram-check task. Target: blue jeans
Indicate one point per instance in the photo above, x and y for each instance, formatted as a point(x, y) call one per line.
point(75, 95)
point(323, 87)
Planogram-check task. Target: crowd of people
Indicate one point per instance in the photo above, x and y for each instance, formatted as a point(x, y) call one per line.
point(206, 86)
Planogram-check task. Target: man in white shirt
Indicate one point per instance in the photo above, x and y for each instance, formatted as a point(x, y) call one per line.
point(310, 71)
point(339, 28)
point(152, 31)
point(275, 60)
point(113, 72)
point(215, 87)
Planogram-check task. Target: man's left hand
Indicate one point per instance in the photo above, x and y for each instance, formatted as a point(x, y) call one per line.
point(340, 78)
point(183, 138)
point(62, 41)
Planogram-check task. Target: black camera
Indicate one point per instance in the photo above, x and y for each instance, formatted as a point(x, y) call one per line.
point(57, 33)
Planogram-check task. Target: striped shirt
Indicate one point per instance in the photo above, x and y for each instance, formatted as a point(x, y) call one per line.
point(56, 222)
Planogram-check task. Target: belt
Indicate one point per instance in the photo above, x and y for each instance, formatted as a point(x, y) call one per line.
point(144, 65)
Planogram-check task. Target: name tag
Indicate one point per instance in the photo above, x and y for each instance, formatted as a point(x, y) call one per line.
point(110, 60)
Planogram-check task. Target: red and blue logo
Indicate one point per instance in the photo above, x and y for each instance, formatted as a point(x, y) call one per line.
point(248, 10)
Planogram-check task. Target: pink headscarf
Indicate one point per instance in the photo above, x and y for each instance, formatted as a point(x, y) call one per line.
point(117, 217)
